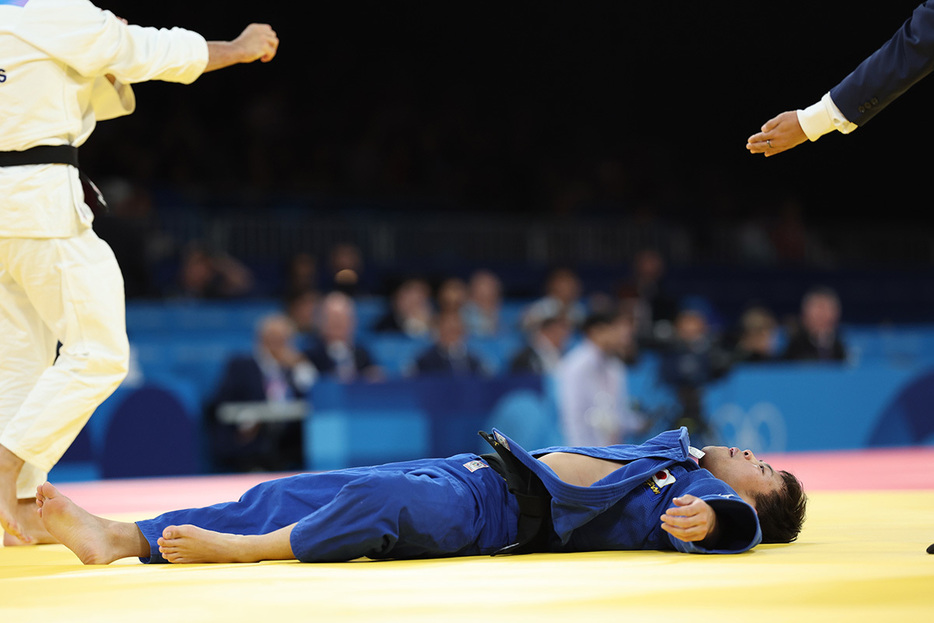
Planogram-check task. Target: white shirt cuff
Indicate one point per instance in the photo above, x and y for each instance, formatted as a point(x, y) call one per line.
point(823, 117)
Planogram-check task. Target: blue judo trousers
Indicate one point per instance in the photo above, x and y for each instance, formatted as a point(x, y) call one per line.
point(458, 506)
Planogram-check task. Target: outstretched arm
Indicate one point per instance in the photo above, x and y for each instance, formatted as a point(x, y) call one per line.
point(885, 75)
point(691, 519)
point(716, 523)
point(256, 42)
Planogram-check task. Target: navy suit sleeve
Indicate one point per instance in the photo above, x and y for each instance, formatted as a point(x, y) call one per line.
point(891, 70)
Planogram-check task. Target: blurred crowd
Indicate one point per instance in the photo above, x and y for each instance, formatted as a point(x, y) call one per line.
point(585, 340)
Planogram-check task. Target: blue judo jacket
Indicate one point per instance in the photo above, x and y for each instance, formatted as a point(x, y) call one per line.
point(623, 510)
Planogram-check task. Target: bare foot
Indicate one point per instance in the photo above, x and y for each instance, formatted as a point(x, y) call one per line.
point(95, 540)
point(13, 534)
point(29, 520)
point(187, 544)
point(10, 466)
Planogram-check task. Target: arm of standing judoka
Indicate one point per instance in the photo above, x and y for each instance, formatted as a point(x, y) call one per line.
point(94, 42)
point(111, 98)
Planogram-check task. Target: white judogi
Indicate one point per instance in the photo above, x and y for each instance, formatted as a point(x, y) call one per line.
point(58, 280)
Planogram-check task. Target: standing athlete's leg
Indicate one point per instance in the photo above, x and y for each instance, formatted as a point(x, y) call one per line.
point(26, 350)
point(75, 287)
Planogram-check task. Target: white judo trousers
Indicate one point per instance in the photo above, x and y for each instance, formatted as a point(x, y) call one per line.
point(66, 65)
point(51, 290)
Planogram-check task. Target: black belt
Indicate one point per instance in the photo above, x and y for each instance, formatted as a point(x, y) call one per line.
point(57, 154)
point(535, 528)
point(44, 154)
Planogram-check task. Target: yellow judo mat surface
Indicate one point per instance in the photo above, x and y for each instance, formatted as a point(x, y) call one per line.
point(861, 557)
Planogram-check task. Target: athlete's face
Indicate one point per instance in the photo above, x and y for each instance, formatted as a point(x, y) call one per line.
point(740, 469)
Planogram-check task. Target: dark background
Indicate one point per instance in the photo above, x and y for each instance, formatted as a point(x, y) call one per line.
point(528, 108)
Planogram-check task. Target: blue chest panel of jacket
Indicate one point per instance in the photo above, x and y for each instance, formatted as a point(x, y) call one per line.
point(623, 510)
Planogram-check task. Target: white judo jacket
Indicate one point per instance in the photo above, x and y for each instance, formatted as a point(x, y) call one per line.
point(55, 56)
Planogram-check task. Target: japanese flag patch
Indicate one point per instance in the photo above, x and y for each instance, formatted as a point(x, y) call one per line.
point(473, 466)
point(661, 479)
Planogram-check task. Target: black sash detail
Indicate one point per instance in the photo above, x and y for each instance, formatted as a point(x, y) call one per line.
point(57, 154)
point(535, 527)
point(44, 154)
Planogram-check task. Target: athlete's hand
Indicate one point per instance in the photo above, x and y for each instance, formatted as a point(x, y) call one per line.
point(257, 41)
point(779, 134)
point(690, 519)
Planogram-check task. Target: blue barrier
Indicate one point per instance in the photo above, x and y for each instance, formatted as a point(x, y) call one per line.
point(150, 434)
point(361, 423)
point(780, 407)
point(880, 397)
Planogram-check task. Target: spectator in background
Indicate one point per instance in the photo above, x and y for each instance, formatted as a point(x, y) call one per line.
point(757, 336)
point(653, 307)
point(593, 396)
point(544, 348)
point(301, 307)
point(451, 296)
point(335, 353)
point(411, 312)
point(204, 274)
point(562, 297)
point(630, 352)
point(345, 269)
point(449, 355)
point(275, 373)
point(817, 337)
point(689, 362)
point(301, 274)
point(484, 302)
point(792, 240)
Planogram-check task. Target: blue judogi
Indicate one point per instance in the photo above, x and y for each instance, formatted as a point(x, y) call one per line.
point(623, 510)
point(460, 507)
point(417, 509)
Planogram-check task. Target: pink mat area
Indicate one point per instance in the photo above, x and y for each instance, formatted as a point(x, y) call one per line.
point(882, 469)
point(147, 495)
point(877, 469)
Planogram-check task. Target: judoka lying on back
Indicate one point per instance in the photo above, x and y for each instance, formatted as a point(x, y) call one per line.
point(662, 494)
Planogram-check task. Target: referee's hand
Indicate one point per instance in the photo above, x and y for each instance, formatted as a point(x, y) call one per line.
point(779, 134)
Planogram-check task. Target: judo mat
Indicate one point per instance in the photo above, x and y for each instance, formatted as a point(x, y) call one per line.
point(861, 557)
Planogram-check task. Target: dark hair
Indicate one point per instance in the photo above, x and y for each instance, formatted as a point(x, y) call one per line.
point(781, 514)
point(821, 291)
point(600, 319)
